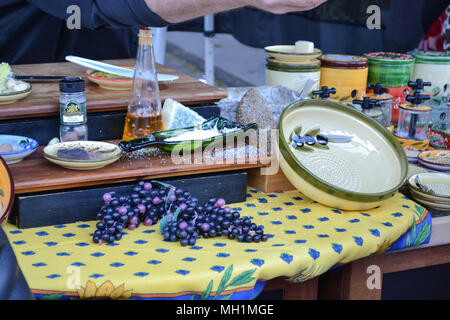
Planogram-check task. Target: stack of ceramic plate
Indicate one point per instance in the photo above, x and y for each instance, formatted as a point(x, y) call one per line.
point(432, 190)
point(436, 160)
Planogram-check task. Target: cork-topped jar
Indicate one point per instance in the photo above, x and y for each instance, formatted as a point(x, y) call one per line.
point(346, 73)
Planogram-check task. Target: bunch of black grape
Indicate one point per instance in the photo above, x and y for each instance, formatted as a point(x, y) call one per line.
point(181, 218)
point(211, 220)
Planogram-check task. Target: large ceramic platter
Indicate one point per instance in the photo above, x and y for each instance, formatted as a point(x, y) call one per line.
point(355, 175)
point(288, 54)
point(6, 191)
point(82, 155)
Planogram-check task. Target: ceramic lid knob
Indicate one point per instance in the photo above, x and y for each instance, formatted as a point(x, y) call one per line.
point(367, 103)
point(324, 93)
point(378, 88)
point(417, 98)
point(418, 85)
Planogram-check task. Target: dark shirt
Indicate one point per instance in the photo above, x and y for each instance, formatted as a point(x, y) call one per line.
point(35, 31)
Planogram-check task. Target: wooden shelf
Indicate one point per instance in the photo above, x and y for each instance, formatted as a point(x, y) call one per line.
point(36, 174)
point(44, 99)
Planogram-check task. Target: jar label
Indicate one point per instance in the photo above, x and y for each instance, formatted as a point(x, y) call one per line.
point(73, 113)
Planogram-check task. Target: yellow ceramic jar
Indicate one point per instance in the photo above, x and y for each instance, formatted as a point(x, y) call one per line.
point(348, 74)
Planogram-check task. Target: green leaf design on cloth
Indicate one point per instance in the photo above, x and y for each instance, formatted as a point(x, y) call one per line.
point(241, 279)
point(207, 292)
point(423, 233)
point(2, 193)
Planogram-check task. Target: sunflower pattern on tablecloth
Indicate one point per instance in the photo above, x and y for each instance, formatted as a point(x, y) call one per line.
point(305, 240)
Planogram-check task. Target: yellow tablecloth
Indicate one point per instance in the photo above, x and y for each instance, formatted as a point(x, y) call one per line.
point(306, 240)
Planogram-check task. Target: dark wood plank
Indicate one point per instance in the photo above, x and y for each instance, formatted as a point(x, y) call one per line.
point(35, 173)
point(60, 207)
point(43, 101)
point(350, 281)
point(307, 290)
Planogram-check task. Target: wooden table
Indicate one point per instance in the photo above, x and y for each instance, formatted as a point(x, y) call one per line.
point(350, 281)
point(44, 99)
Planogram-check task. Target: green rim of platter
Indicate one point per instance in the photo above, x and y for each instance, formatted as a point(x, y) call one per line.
point(324, 186)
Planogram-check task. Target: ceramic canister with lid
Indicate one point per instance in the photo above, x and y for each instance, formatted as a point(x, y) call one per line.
point(292, 75)
point(393, 70)
point(434, 66)
point(346, 73)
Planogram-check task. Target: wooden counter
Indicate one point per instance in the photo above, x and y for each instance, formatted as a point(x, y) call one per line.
point(44, 99)
point(36, 174)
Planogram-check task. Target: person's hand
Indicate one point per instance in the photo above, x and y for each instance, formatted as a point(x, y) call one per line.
point(285, 6)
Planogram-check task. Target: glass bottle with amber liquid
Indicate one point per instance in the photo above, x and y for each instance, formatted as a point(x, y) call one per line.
point(144, 109)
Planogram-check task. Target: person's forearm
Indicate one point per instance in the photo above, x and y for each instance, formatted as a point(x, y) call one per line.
point(174, 11)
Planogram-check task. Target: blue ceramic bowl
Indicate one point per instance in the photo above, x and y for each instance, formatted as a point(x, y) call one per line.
point(22, 147)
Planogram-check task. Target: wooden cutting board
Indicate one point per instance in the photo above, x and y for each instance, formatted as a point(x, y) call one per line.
point(44, 99)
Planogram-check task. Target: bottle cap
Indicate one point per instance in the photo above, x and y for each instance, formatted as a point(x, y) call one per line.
point(145, 37)
point(71, 85)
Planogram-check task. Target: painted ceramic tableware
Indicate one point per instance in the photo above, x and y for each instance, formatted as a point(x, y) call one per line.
point(12, 97)
point(6, 191)
point(356, 175)
point(390, 68)
point(109, 81)
point(293, 75)
point(21, 147)
point(430, 198)
point(82, 155)
point(433, 66)
point(346, 73)
point(440, 206)
point(436, 159)
point(431, 186)
point(288, 54)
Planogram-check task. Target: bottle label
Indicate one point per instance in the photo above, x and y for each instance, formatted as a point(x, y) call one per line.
point(73, 113)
